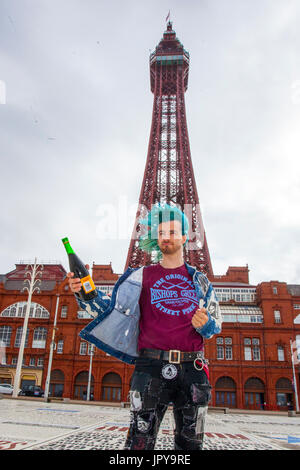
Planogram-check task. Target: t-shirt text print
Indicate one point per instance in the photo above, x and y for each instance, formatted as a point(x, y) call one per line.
point(174, 294)
point(168, 302)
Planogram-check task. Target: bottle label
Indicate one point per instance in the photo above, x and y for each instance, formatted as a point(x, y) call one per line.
point(87, 284)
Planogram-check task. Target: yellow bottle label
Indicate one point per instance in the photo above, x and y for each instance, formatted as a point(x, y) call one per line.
point(87, 284)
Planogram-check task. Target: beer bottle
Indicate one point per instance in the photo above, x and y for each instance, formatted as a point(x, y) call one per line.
point(88, 290)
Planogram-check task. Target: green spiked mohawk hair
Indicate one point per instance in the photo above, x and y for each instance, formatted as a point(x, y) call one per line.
point(158, 214)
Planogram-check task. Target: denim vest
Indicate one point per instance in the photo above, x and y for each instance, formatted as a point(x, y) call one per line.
point(115, 329)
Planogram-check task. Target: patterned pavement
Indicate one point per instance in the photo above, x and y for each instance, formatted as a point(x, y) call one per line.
point(37, 425)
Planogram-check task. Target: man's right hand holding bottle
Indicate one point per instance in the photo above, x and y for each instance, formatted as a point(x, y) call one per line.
point(74, 283)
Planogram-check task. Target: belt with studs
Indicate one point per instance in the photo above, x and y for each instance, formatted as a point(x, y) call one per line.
point(173, 356)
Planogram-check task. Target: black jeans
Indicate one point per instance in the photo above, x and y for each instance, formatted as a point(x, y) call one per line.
point(155, 384)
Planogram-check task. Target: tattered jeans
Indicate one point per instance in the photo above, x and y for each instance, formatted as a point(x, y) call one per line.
point(155, 385)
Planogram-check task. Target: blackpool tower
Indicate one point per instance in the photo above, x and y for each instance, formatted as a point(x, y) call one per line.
point(169, 176)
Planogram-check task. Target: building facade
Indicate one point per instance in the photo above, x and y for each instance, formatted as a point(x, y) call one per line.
point(250, 360)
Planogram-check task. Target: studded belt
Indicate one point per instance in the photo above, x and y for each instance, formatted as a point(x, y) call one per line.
point(174, 356)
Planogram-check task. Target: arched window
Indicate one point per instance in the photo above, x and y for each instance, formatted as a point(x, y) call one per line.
point(81, 386)
point(254, 393)
point(225, 392)
point(111, 387)
point(284, 384)
point(284, 393)
point(19, 310)
point(57, 380)
point(39, 337)
point(225, 383)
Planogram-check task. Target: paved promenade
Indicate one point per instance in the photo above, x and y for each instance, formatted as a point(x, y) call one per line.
point(37, 425)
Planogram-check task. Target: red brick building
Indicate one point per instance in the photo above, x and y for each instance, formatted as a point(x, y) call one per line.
point(251, 364)
point(250, 360)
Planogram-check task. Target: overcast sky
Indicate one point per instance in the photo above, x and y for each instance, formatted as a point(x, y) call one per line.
point(75, 116)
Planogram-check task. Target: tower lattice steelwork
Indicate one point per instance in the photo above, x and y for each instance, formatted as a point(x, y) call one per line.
point(169, 175)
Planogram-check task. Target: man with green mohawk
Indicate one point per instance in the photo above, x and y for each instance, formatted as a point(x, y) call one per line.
point(157, 318)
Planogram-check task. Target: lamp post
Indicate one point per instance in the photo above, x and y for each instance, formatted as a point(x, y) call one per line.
point(52, 347)
point(88, 393)
point(32, 271)
point(294, 377)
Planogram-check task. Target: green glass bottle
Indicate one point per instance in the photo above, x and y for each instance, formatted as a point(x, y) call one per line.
point(88, 290)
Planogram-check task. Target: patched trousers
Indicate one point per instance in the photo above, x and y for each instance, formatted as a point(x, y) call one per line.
point(157, 384)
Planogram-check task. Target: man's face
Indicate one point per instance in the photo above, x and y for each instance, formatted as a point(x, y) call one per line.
point(170, 238)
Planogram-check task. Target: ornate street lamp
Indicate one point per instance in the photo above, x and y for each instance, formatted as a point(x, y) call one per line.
point(32, 271)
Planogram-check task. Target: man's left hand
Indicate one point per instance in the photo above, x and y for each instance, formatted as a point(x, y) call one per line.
point(199, 318)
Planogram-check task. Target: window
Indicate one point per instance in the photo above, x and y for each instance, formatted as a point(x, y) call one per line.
point(60, 346)
point(32, 361)
point(40, 362)
point(64, 311)
point(241, 313)
point(247, 353)
point(38, 312)
point(280, 352)
point(228, 349)
point(228, 352)
point(39, 337)
point(19, 310)
point(221, 350)
point(83, 349)
point(5, 335)
point(252, 349)
point(256, 353)
point(275, 290)
point(19, 337)
point(3, 359)
point(239, 295)
point(111, 387)
point(277, 316)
